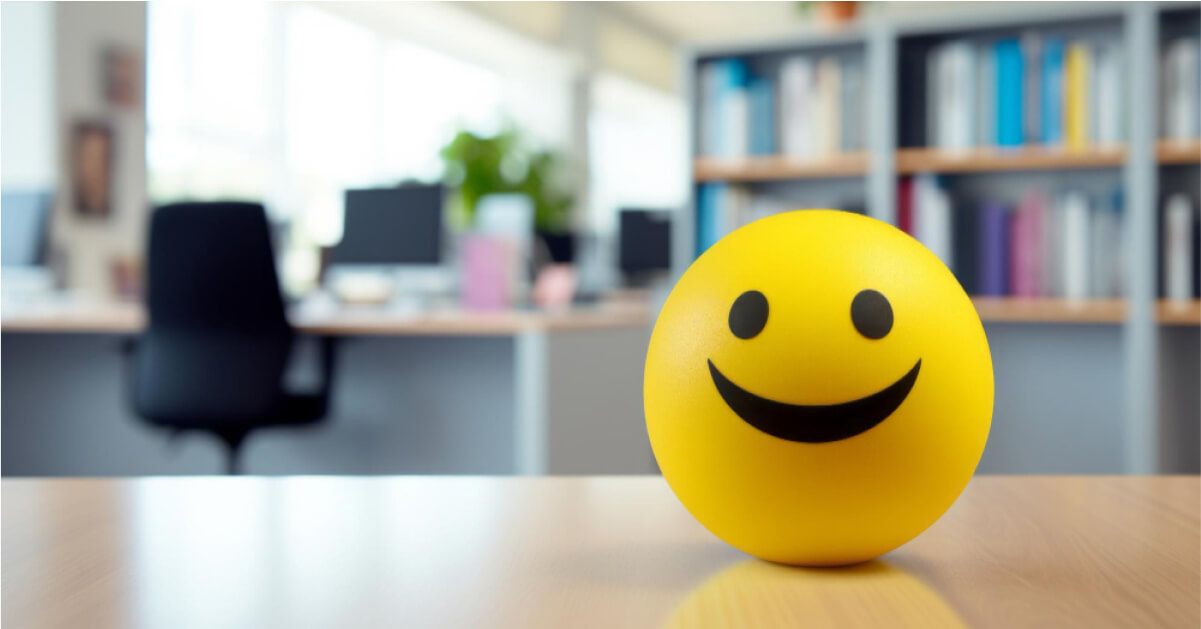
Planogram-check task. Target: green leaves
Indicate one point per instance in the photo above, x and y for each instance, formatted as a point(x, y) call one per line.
point(477, 166)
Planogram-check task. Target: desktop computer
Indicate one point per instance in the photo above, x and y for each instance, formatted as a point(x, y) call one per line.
point(644, 245)
point(392, 227)
point(392, 245)
point(23, 224)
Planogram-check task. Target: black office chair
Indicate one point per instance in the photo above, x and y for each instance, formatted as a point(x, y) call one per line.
point(213, 355)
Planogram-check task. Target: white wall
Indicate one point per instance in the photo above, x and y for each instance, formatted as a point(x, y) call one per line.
point(82, 31)
point(28, 139)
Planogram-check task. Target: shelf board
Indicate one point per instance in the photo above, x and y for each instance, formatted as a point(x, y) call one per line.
point(1178, 151)
point(1054, 310)
point(919, 160)
point(779, 168)
point(1049, 310)
point(1169, 312)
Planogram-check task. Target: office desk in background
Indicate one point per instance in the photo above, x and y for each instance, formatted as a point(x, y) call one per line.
point(574, 552)
point(439, 391)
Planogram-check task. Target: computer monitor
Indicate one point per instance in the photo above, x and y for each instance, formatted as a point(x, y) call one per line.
point(392, 227)
point(24, 217)
point(644, 247)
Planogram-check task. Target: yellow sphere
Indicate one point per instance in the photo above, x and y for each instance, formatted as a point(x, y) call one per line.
point(818, 388)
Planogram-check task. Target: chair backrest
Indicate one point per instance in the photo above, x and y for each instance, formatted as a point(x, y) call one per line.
point(218, 337)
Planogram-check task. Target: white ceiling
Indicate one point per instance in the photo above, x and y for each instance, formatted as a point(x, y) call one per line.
point(693, 22)
point(712, 22)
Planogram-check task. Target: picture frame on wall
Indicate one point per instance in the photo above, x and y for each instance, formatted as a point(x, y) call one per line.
point(122, 77)
point(91, 168)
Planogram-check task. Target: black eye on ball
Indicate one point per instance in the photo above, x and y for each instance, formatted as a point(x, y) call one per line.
point(748, 315)
point(871, 313)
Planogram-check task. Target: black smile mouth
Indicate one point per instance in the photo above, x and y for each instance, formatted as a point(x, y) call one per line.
point(814, 423)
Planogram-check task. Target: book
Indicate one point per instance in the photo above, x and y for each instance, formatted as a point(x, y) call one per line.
point(1092, 96)
point(762, 99)
point(1109, 98)
point(708, 215)
point(1026, 246)
point(1050, 271)
point(733, 109)
point(905, 205)
point(993, 249)
point(1076, 82)
point(827, 119)
point(1051, 118)
point(1178, 252)
point(1032, 44)
point(1073, 242)
point(1105, 247)
point(736, 210)
point(796, 104)
point(956, 96)
point(1196, 258)
point(709, 143)
point(735, 124)
point(1180, 80)
point(724, 109)
point(932, 218)
point(1009, 99)
point(986, 85)
point(911, 76)
point(853, 106)
point(931, 100)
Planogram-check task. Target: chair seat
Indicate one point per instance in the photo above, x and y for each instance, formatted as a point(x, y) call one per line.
point(290, 409)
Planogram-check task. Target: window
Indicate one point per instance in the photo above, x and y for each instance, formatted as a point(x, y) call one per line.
point(292, 104)
point(638, 144)
point(210, 128)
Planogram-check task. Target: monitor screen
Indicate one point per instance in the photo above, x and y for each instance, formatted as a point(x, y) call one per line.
point(645, 241)
point(23, 220)
point(392, 226)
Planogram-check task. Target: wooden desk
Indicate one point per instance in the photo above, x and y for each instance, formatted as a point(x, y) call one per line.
point(567, 552)
point(416, 392)
point(124, 318)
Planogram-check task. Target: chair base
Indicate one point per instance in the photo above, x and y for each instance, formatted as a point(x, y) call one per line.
point(233, 439)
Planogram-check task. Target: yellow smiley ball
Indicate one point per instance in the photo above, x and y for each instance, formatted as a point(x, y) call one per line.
point(818, 388)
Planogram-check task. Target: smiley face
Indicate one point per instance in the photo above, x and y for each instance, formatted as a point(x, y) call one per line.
point(818, 388)
point(813, 423)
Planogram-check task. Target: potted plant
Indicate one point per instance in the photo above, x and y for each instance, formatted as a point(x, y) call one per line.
point(479, 165)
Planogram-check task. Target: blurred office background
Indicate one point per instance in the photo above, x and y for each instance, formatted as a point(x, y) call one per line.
point(471, 212)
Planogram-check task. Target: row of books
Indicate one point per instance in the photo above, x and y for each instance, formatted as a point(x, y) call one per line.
point(722, 208)
point(1181, 80)
point(1031, 90)
point(813, 106)
point(1068, 244)
point(1065, 245)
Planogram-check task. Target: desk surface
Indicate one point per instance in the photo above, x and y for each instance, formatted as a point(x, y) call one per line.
point(584, 551)
point(130, 319)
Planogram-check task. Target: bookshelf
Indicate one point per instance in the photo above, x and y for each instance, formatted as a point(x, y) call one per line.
point(1124, 366)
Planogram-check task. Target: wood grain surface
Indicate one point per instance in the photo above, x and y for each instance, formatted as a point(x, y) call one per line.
point(130, 318)
point(574, 552)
